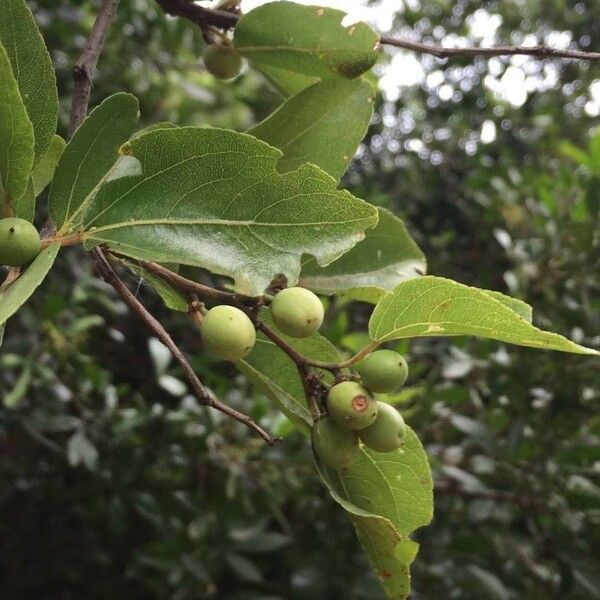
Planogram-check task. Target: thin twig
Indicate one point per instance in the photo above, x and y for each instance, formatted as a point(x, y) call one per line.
point(442, 52)
point(83, 71)
point(204, 395)
point(205, 17)
point(187, 285)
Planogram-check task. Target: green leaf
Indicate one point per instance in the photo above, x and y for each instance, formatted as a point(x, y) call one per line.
point(387, 256)
point(517, 306)
point(387, 496)
point(286, 82)
point(434, 306)
point(12, 399)
point(323, 125)
point(305, 39)
point(24, 207)
point(275, 373)
point(212, 198)
point(33, 70)
point(18, 292)
point(43, 172)
point(88, 157)
point(16, 137)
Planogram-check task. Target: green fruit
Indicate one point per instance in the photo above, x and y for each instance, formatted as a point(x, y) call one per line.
point(297, 312)
point(351, 405)
point(383, 371)
point(228, 332)
point(222, 62)
point(334, 446)
point(19, 242)
point(388, 431)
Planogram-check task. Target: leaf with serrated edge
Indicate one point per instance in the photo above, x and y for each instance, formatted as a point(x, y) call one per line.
point(88, 157)
point(306, 39)
point(387, 256)
point(18, 292)
point(213, 198)
point(434, 306)
point(274, 371)
point(388, 496)
point(16, 137)
point(33, 70)
point(323, 125)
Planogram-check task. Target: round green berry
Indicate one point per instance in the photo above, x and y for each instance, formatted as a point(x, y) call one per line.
point(350, 405)
point(333, 445)
point(222, 62)
point(297, 312)
point(388, 431)
point(19, 242)
point(228, 332)
point(383, 371)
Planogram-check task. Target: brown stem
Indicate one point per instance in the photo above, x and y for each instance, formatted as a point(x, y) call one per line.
point(83, 71)
point(203, 395)
point(203, 17)
point(187, 285)
point(441, 52)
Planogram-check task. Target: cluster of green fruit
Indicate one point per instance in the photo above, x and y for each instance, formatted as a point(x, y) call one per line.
point(20, 242)
point(352, 411)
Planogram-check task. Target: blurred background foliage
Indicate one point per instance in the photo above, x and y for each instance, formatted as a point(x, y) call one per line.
point(114, 483)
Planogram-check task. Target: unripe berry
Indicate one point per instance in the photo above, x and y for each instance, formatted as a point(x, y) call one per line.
point(388, 431)
point(334, 446)
point(383, 371)
point(351, 405)
point(297, 312)
point(222, 62)
point(228, 332)
point(19, 242)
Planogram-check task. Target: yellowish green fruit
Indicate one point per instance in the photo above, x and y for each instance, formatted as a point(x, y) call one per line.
point(334, 446)
point(222, 62)
point(383, 371)
point(297, 312)
point(351, 406)
point(388, 431)
point(228, 332)
point(19, 242)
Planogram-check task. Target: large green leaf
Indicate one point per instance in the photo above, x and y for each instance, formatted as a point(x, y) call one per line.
point(88, 157)
point(287, 82)
point(43, 172)
point(387, 256)
point(16, 137)
point(305, 39)
point(24, 207)
point(32, 68)
point(388, 496)
point(276, 374)
point(213, 198)
point(18, 292)
point(434, 306)
point(323, 125)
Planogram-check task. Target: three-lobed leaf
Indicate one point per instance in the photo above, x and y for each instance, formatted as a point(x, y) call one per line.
point(307, 40)
point(324, 125)
point(18, 292)
point(388, 496)
point(387, 256)
point(434, 306)
point(33, 70)
point(16, 138)
point(213, 198)
point(88, 157)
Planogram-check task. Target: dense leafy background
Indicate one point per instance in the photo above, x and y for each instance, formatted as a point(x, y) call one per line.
point(115, 483)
